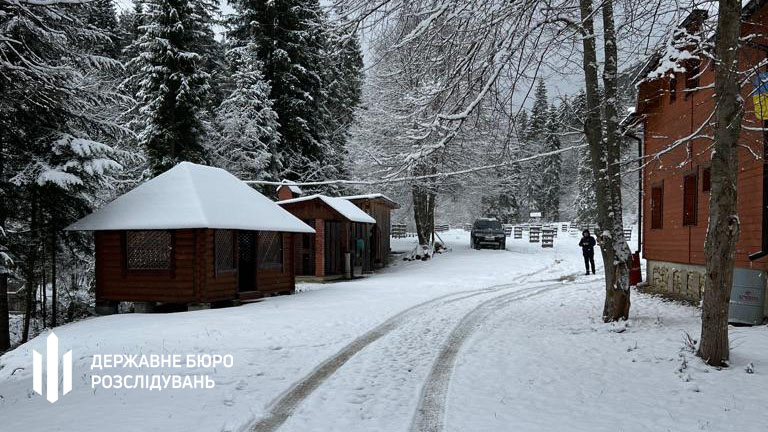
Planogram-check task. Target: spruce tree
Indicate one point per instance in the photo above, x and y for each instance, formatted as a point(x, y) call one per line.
point(315, 78)
point(532, 192)
point(290, 41)
point(50, 165)
point(247, 144)
point(550, 186)
point(170, 72)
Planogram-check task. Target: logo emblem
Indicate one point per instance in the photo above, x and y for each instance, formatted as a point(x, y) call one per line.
point(51, 370)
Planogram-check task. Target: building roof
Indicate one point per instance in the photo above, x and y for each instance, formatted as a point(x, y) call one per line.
point(342, 206)
point(290, 185)
point(375, 197)
point(192, 196)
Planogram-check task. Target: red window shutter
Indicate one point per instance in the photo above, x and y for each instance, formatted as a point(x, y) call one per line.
point(657, 207)
point(690, 199)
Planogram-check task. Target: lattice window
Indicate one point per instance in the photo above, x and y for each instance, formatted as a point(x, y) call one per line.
point(149, 250)
point(224, 249)
point(270, 251)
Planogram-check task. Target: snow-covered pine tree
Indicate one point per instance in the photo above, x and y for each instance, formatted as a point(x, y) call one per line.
point(170, 72)
point(101, 14)
point(129, 30)
point(343, 80)
point(247, 141)
point(551, 166)
point(533, 143)
point(585, 204)
point(290, 40)
point(47, 100)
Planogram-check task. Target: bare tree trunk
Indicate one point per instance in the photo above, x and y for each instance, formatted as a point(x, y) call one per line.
point(723, 229)
point(43, 290)
point(424, 212)
point(29, 270)
point(54, 299)
point(5, 331)
point(604, 153)
point(617, 290)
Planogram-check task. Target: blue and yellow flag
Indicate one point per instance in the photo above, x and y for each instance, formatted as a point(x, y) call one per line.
point(760, 96)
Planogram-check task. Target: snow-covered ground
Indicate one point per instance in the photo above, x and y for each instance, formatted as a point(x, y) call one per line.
point(469, 341)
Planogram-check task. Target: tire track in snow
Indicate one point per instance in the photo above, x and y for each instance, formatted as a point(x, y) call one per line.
point(430, 413)
point(283, 407)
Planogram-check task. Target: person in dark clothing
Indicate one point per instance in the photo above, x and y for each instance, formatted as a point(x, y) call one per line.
point(587, 244)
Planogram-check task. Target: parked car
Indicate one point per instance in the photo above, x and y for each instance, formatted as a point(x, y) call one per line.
point(487, 232)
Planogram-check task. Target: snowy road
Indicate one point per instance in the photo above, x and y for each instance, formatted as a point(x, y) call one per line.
point(470, 341)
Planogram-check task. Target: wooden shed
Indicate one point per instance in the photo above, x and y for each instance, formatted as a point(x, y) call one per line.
point(341, 228)
point(380, 208)
point(194, 235)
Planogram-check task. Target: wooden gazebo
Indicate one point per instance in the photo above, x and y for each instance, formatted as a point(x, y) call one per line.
point(192, 235)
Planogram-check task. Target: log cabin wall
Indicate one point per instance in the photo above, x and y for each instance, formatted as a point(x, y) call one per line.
point(325, 256)
point(192, 276)
point(115, 282)
point(218, 285)
point(381, 211)
point(283, 280)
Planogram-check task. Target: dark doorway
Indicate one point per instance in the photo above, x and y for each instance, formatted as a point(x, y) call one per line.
point(334, 261)
point(305, 252)
point(246, 264)
point(375, 247)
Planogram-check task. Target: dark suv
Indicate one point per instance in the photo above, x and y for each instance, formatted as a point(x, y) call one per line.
point(488, 232)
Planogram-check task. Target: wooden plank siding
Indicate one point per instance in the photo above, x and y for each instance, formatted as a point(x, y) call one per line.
point(328, 259)
point(381, 212)
point(273, 281)
point(669, 119)
point(116, 283)
point(192, 277)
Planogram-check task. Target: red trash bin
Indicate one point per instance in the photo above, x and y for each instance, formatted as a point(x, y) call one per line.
point(635, 273)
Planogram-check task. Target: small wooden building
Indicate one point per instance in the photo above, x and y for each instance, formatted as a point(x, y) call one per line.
point(380, 208)
point(194, 235)
point(341, 228)
point(288, 191)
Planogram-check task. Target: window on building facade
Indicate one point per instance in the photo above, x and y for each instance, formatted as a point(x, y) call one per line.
point(690, 199)
point(672, 89)
point(148, 250)
point(657, 207)
point(693, 71)
point(706, 182)
point(224, 249)
point(270, 251)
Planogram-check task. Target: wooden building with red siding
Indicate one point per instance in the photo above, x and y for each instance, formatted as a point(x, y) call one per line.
point(675, 108)
point(380, 208)
point(340, 228)
point(192, 235)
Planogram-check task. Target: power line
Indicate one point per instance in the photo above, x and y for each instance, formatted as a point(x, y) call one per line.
point(420, 177)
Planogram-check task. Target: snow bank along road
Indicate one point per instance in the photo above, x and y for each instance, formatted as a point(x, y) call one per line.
point(470, 341)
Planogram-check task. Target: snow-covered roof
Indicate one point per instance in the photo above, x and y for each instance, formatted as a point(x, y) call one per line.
point(192, 196)
point(345, 208)
point(372, 196)
point(293, 188)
